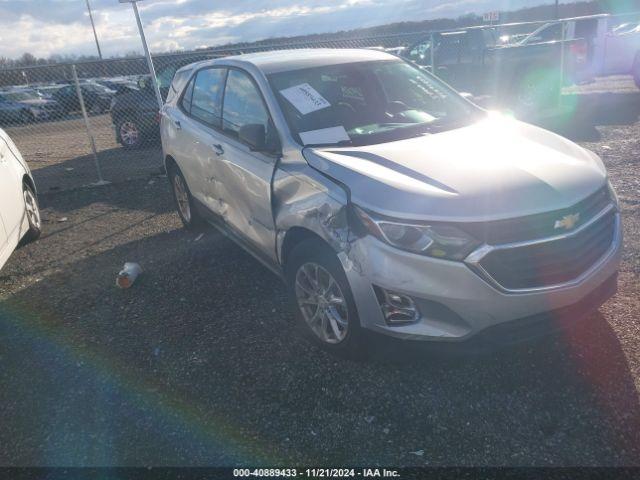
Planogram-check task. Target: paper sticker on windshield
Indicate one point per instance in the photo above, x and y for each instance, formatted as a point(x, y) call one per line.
point(305, 98)
point(324, 136)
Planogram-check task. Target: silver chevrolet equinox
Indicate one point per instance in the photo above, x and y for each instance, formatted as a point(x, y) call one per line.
point(387, 201)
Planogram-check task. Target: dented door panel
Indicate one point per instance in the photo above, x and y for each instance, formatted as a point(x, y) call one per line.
point(243, 185)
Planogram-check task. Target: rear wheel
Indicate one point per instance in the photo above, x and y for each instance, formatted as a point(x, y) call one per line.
point(325, 308)
point(129, 134)
point(185, 204)
point(32, 211)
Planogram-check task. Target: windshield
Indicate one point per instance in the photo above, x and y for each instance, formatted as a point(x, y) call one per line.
point(366, 103)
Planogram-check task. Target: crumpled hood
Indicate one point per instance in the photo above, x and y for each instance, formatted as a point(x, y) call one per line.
point(496, 168)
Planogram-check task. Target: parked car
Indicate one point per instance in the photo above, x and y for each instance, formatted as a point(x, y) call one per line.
point(13, 112)
point(97, 98)
point(387, 201)
point(27, 106)
point(19, 212)
point(135, 111)
point(116, 84)
point(526, 75)
point(134, 114)
point(46, 91)
point(610, 51)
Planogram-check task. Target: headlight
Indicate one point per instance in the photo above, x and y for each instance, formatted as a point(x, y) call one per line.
point(612, 193)
point(435, 240)
point(36, 111)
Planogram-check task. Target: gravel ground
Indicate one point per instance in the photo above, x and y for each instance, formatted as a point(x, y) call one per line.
point(60, 156)
point(197, 364)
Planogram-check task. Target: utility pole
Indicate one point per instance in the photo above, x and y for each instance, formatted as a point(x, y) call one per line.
point(93, 25)
point(557, 10)
point(152, 70)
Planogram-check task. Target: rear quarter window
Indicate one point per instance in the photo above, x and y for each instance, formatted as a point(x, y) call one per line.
point(179, 81)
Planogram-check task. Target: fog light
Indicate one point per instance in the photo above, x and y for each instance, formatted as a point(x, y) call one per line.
point(396, 307)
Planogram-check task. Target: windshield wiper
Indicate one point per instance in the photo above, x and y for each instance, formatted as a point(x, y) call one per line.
point(400, 133)
point(341, 143)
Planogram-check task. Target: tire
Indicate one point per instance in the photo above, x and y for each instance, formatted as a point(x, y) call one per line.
point(318, 327)
point(185, 205)
point(636, 70)
point(129, 134)
point(32, 211)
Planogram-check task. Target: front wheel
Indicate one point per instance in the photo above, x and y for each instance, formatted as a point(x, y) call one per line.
point(325, 308)
point(32, 211)
point(129, 134)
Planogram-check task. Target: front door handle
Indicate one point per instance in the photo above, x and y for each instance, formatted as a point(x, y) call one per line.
point(177, 124)
point(218, 149)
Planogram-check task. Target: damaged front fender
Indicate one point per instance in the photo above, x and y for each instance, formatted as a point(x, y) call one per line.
point(304, 198)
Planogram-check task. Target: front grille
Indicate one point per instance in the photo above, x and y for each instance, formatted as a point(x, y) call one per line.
point(533, 227)
point(554, 262)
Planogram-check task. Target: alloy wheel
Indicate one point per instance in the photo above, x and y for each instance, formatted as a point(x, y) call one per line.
point(31, 206)
point(129, 133)
point(182, 197)
point(322, 303)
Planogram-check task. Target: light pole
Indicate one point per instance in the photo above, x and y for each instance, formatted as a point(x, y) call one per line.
point(152, 70)
point(93, 25)
point(557, 10)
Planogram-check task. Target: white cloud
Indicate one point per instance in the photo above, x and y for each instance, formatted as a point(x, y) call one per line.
point(61, 26)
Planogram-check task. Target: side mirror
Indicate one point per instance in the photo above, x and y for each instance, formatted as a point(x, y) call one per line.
point(253, 135)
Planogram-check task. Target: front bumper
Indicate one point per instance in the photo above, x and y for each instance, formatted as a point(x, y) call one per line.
point(478, 307)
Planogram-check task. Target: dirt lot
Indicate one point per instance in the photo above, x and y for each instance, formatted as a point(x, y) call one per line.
point(197, 363)
point(59, 153)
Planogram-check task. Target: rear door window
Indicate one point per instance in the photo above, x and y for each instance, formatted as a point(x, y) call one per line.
point(207, 95)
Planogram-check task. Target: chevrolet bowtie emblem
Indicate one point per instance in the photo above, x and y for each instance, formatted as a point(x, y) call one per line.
point(567, 222)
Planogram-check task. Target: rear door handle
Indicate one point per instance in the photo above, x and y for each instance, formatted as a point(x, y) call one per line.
point(177, 124)
point(218, 149)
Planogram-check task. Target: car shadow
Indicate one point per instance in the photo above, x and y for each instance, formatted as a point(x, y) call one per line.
point(151, 193)
point(116, 165)
point(581, 114)
point(198, 364)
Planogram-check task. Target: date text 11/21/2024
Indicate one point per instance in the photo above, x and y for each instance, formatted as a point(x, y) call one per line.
point(317, 472)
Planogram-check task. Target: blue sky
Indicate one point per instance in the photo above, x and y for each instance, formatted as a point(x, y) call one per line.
point(44, 27)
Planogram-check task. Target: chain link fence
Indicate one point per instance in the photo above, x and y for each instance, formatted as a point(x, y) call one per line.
point(116, 138)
